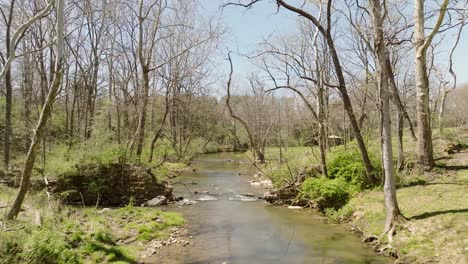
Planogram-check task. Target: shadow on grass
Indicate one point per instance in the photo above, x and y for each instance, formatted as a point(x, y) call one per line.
point(114, 253)
point(427, 215)
point(453, 167)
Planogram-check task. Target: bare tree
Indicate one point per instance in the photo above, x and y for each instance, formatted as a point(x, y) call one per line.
point(7, 59)
point(46, 112)
point(325, 29)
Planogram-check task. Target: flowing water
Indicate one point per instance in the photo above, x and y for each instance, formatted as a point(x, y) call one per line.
point(228, 227)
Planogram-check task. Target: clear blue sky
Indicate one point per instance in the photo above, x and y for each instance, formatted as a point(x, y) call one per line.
point(248, 27)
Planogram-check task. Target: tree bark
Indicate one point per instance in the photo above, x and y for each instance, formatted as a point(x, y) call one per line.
point(400, 153)
point(8, 105)
point(391, 203)
point(424, 133)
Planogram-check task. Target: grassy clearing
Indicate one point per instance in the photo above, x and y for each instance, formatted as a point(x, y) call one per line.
point(82, 235)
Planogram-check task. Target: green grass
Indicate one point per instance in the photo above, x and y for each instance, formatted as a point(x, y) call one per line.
point(437, 214)
point(83, 235)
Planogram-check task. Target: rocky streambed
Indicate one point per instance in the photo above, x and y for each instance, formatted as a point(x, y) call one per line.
point(229, 222)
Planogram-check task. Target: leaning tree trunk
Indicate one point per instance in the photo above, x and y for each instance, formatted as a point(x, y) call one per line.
point(326, 32)
point(45, 115)
point(397, 98)
point(391, 204)
point(260, 156)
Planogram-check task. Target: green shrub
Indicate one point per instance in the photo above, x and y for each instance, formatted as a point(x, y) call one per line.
point(325, 193)
point(348, 165)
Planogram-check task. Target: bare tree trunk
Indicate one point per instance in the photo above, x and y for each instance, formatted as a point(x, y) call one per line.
point(396, 96)
point(8, 104)
point(8, 92)
point(400, 153)
point(27, 93)
point(421, 44)
point(158, 134)
point(320, 104)
point(441, 111)
point(142, 115)
point(45, 115)
point(391, 204)
point(255, 146)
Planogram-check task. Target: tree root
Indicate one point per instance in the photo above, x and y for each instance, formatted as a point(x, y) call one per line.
point(399, 222)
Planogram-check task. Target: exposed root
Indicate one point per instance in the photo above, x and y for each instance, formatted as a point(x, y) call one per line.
point(398, 223)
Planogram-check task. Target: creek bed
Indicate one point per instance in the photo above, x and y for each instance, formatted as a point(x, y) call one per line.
point(227, 226)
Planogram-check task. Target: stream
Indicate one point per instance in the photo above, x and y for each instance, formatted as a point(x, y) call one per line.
point(228, 227)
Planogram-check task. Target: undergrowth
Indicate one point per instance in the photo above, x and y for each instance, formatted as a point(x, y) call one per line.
point(85, 236)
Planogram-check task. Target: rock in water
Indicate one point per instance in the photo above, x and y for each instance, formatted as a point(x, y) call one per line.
point(160, 200)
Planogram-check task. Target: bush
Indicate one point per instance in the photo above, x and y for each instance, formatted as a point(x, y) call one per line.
point(348, 165)
point(325, 193)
